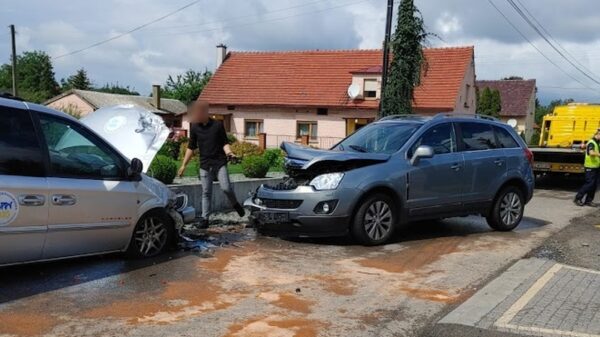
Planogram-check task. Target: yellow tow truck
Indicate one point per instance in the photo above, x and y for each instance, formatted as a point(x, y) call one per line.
point(564, 134)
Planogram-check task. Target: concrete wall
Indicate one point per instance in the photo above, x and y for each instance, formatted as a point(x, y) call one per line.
point(219, 200)
point(72, 102)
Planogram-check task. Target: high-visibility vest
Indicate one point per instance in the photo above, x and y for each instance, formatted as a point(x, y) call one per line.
point(592, 161)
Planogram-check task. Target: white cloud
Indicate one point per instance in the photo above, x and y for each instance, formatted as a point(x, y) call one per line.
point(448, 24)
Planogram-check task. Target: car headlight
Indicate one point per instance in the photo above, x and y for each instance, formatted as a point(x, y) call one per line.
point(327, 181)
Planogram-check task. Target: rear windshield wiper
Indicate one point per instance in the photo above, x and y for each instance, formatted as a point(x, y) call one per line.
point(358, 148)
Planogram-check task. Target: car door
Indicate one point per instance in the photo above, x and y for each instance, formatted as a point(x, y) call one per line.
point(92, 203)
point(23, 187)
point(435, 184)
point(485, 161)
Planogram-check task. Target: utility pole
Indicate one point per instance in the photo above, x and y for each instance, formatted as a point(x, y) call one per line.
point(14, 60)
point(386, 49)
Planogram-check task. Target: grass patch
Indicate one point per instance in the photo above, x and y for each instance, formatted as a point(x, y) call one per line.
point(192, 169)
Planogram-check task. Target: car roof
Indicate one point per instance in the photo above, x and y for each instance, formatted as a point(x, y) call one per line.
point(449, 117)
point(14, 103)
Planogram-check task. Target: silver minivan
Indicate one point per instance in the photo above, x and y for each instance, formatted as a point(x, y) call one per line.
point(66, 190)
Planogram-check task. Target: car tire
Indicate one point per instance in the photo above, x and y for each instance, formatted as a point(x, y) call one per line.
point(507, 210)
point(153, 234)
point(375, 220)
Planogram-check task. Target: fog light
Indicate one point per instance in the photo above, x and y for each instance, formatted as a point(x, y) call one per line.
point(325, 207)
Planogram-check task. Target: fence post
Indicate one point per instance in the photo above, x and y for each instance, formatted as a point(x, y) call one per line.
point(304, 139)
point(262, 141)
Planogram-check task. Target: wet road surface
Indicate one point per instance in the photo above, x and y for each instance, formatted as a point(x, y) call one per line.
point(272, 287)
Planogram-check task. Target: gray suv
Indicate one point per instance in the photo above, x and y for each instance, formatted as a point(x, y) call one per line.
point(397, 170)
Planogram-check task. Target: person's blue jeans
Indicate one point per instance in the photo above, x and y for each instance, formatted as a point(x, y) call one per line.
point(207, 177)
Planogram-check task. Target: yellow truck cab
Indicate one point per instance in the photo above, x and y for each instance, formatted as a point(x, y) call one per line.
point(564, 134)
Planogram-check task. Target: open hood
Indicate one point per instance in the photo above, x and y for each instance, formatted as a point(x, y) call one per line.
point(133, 130)
point(304, 158)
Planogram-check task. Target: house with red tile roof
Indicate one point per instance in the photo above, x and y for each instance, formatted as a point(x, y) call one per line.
point(517, 100)
point(289, 94)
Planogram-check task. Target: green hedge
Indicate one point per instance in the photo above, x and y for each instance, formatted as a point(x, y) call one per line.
point(163, 168)
point(255, 166)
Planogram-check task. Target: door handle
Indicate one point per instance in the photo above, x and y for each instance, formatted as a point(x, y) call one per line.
point(32, 200)
point(456, 167)
point(63, 200)
point(499, 162)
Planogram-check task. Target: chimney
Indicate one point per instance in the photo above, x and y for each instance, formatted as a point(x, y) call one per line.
point(221, 53)
point(156, 96)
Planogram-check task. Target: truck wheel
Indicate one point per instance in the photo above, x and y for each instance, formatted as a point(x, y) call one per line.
point(507, 210)
point(375, 220)
point(153, 234)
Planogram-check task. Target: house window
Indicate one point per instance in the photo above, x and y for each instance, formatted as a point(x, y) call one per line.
point(307, 128)
point(370, 89)
point(252, 128)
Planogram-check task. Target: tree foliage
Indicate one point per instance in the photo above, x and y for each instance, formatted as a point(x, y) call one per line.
point(407, 61)
point(115, 88)
point(79, 80)
point(186, 87)
point(489, 102)
point(35, 77)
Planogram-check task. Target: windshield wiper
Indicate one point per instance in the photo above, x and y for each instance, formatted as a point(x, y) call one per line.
point(358, 148)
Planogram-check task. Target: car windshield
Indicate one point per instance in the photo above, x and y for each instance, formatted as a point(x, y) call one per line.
point(379, 138)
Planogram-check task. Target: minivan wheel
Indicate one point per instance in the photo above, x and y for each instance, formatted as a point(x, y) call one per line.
point(153, 234)
point(507, 210)
point(375, 220)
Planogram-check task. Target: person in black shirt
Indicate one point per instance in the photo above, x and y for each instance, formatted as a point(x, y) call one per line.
point(209, 137)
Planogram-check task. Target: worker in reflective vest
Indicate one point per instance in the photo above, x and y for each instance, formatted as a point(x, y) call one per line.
point(592, 166)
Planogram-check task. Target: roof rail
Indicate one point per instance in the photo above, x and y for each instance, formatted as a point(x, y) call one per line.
point(454, 114)
point(9, 96)
point(406, 116)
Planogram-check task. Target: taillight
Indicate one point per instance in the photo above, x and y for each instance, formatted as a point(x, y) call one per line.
point(529, 156)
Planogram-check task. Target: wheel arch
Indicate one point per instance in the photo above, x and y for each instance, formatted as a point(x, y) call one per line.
point(153, 209)
point(378, 189)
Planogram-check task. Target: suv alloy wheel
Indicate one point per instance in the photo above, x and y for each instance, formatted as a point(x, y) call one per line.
point(375, 220)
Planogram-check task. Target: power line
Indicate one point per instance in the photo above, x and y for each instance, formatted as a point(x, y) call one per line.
point(536, 48)
point(264, 21)
point(128, 32)
point(240, 17)
point(537, 30)
point(552, 38)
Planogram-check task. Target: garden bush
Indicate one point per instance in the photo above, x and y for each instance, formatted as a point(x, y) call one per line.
point(255, 166)
point(274, 157)
point(171, 148)
point(245, 149)
point(231, 138)
point(163, 168)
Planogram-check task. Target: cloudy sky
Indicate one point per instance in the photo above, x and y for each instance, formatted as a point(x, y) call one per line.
point(187, 39)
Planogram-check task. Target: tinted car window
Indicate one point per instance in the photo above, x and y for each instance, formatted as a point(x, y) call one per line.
point(74, 154)
point(477, 136)
point(505, 139)
point(20, 151)
point(440, 137)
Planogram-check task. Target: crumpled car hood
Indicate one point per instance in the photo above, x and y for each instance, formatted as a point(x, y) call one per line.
point(135, 131)
point(305, 158)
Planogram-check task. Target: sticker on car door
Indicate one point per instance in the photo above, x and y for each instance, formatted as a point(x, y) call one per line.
point(9, 208)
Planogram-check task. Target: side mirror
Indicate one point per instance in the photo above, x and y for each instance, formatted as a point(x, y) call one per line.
point(421, 152)
point(135, 168)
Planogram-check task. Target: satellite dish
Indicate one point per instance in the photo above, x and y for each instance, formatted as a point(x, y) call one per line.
point(353, 91)
point(512, 122)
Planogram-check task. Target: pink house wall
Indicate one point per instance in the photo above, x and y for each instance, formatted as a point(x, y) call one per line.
point(72, 102)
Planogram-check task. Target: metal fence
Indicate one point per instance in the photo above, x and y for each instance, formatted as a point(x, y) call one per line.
point(274, 141)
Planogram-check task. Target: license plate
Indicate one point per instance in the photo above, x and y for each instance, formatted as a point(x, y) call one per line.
point(274, 217)
point(544, 166)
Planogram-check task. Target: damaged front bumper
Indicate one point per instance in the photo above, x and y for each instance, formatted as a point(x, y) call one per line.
point(180, 211)
point(299, 212)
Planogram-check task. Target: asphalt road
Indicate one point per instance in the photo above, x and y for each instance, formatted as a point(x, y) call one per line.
point(272, 287)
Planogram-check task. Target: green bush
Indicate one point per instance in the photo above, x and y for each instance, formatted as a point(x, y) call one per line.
point(231, 138)
point(274, 157)
point(255, 166)
point(163, 168)
point(171, 148)
point(245, 149)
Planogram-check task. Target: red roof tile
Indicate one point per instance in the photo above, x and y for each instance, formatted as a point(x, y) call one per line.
point(514, 95)
point(321, 78)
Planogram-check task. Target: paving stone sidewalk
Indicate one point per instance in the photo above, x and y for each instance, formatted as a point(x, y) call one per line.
point(535, 297)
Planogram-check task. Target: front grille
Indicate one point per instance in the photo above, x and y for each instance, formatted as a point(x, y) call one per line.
point(281, 203)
